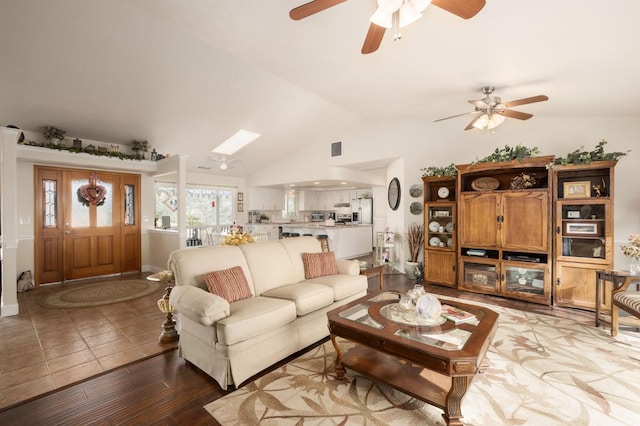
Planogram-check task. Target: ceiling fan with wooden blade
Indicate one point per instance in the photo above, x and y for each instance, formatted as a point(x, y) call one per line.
point(490, 111)
point(388, 9)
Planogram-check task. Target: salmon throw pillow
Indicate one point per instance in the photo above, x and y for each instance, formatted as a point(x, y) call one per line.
point(230, 284)
point(319, 264)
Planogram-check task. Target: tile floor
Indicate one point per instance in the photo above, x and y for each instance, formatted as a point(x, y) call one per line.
point(44, 349)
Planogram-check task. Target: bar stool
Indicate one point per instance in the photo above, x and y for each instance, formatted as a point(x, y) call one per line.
point(284, 235)
point(294, 234)
point(324, 242)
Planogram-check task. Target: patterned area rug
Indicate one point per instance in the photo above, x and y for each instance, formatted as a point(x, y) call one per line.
point(543, 371)
point(87, 295)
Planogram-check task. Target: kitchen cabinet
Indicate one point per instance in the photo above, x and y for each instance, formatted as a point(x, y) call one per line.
point(504, 228)
point(583, 230)
point(313, 201)
point(266, 199)
point(273, 231)
point(340, 197)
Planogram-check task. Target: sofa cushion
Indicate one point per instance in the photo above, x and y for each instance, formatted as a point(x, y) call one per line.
point(308, 297)
point(230, 284)
point(319, 264)
point(191, 263)
point(254, 316)
point(343, 286)
point(269, 265)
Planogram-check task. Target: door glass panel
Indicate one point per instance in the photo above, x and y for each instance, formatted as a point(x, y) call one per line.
point(525, 280)
point(50, 193)
point(104, 210)
point(129, 205)
point(79, 206)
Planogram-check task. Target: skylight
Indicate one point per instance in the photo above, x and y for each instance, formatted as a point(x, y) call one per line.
point(241, 139)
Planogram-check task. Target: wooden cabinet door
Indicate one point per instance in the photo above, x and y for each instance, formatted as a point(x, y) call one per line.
point(478, 220)
point(575, 285)
point(525, 221)
point(439, 267)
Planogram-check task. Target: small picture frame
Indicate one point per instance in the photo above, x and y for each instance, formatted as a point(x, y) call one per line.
point(240, 207)
point(573, 214)
point(583, 229)
point(580, 189)
point(240, 196)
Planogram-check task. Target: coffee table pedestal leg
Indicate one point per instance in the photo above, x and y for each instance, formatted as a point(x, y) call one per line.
point(453, 413)
point(340, 370)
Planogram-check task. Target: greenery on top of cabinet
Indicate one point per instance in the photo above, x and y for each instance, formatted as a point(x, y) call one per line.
point(579, 156)
point(508, 153)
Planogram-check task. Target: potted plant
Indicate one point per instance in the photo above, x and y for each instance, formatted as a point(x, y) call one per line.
point(139, 146)
point(415, 238)
point(53, 135)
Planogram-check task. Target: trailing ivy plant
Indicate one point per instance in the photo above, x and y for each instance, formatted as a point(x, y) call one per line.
point(579, 156)
point(508, 153)
point(52, 134)
point(88, 150)
point(449, 170)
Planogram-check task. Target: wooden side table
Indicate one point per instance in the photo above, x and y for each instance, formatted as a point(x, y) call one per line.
point(603, 295)
point(372, 270)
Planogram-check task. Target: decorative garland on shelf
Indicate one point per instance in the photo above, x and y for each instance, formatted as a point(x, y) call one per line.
point(579, 156)
point(519, 152)
point(90, 149)
point(507, 153)
point(449, 170)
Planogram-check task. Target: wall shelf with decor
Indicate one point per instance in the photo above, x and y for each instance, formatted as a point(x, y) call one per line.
point(583, 229)
point(504, 228)
point(440, 230)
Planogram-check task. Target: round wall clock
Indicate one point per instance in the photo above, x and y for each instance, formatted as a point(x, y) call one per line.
point(393, 194)
point(443, 192)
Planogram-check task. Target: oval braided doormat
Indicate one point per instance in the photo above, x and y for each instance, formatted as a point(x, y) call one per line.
point(105, 293)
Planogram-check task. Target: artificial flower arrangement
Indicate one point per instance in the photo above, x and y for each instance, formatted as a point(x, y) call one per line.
point(236, 237)
point(632, 250)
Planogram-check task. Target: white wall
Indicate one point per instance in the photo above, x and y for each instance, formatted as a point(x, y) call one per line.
point(150, 261)
point(420, 143)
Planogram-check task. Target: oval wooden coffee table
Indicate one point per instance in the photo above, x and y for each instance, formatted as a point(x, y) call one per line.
point(442, 358)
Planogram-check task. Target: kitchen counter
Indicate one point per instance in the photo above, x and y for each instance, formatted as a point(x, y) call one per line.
point(346, 241)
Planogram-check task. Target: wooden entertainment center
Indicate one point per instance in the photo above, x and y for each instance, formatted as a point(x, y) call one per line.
point(521, 229)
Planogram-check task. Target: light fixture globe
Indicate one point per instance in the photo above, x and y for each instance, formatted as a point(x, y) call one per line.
point(223, 166)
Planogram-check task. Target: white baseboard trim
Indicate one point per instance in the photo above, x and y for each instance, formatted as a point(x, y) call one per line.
point(9, 310)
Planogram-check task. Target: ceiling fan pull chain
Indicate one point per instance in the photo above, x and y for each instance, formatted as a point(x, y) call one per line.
point(397, 35)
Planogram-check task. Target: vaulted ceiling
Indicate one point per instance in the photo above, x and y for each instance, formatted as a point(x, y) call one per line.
point(186, 75)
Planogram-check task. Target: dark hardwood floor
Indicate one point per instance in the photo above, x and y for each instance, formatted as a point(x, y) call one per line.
point(164, 390)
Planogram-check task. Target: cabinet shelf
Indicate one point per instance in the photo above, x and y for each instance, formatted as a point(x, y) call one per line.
point(440, 231)
point(584, 230)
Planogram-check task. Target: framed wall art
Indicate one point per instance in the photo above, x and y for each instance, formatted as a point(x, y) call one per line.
point(580, 189)
point(583, 229)
point(240, 196)
point(240, 207)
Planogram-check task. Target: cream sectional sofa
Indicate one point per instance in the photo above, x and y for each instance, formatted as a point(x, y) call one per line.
point(233, 341)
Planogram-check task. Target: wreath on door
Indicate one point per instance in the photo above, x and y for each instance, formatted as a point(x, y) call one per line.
point(92, 193)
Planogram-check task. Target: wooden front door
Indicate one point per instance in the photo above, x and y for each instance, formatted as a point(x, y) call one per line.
point(87, 224)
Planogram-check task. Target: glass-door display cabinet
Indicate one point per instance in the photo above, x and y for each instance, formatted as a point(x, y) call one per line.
point(583, 225)
point(504, 228)
point(440, 230)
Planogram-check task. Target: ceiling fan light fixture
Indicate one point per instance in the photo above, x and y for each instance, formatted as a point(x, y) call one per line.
point(390, 6)
point(223, 166)
point(420, 5)
point(488, 121)
point(408, 14)
point(382, 18)
point(495, 120)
